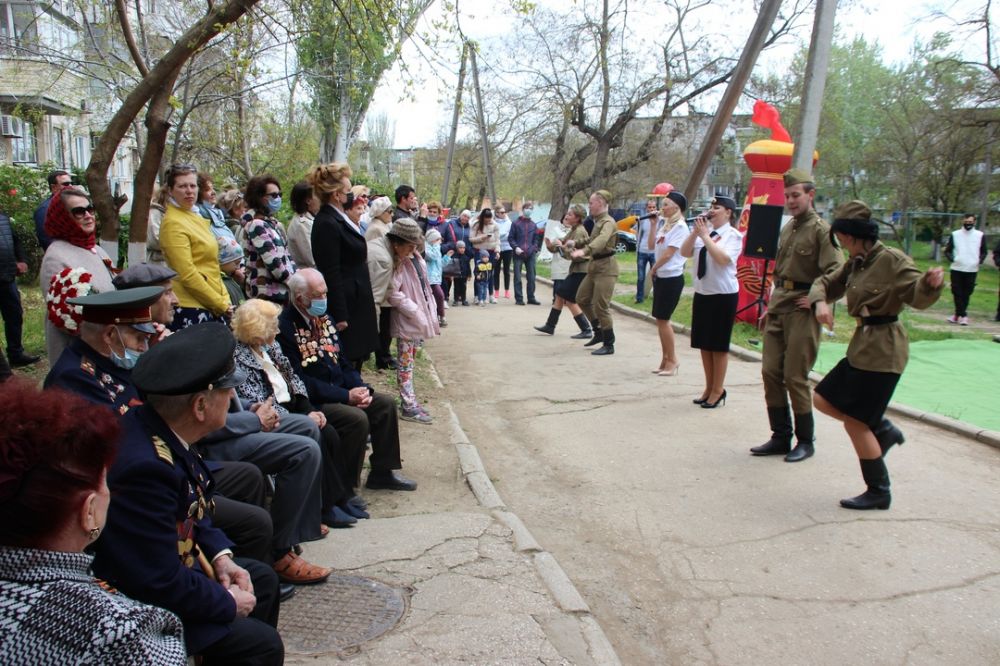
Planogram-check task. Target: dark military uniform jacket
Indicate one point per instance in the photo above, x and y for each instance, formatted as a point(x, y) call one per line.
point(805, 252)
point(313, 349)
point(877, 285)
point(159, 539)
point(83, 371)
point(601, 246)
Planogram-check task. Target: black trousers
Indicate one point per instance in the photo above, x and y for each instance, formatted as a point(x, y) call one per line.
point(13, 318)
point(239, 509)
point(502, 266)
point(383, 355)
point(459, 284)
point(354, 424)
point(252, 640)
point(962, 286)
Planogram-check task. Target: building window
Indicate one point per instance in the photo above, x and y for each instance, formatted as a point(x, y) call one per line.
point(18, 24)
point(59, 146)
point(24, 149)
point(81, 152)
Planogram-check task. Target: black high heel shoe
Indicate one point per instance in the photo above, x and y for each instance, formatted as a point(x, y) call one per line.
point(712, 405)
point(700, 401)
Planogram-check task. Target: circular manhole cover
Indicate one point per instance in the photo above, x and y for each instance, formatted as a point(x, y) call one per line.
point(339, 615)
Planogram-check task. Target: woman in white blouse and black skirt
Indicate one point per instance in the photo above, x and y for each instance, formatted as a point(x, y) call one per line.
point(715, 245)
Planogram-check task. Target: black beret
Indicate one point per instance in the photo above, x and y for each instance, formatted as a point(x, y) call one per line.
point(678, 199)
point(143, 275)
point(723, 200)
point(126, 307)
point(196, 358)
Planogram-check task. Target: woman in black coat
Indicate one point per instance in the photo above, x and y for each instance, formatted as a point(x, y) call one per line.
point(341, 255)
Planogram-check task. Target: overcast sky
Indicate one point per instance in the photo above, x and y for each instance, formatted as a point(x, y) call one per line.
point(893, 24)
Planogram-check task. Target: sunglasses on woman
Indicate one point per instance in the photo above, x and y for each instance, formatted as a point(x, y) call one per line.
point(80, 211)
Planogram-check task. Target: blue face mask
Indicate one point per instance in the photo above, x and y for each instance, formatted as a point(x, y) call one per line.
point(274, 204)
point(317, 307)
point(128, 361)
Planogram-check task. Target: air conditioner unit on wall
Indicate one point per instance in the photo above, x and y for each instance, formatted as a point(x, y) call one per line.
point(10, 127)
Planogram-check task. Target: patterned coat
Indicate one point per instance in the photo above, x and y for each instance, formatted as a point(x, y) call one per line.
point(54, 612)
point(257, 387)
point(269, 264)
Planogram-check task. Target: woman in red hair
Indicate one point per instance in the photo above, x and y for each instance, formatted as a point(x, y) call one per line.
point(55, 449)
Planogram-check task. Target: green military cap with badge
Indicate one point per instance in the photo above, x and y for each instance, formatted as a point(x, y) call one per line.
point(798, 177)
point(129, 307)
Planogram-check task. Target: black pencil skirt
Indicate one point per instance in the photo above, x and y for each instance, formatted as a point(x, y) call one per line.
point(666, 295)
point(712, 319)
point(861, 394)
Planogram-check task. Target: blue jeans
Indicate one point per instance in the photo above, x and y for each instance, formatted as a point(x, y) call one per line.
point(483, 289)
point(644, 261)
point(529, 265)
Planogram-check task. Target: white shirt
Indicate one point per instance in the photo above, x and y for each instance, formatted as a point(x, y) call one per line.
point(278, 383)
point(718, 279)
point(671, 237)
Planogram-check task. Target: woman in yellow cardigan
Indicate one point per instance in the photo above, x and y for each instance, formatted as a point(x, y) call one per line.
point(190, 249)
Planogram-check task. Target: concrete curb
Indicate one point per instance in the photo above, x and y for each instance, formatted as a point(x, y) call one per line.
point(989, 437)
point(565, 594)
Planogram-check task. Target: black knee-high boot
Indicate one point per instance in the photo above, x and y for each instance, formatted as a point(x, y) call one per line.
point(608, 337)
point(877, 479)
point(550, 325)
point(781, 433)
point(888, 435)
point(598, 336)
point(804, 437)
point(585, 331)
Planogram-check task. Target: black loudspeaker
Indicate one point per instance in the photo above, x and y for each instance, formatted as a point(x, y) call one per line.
point(762, 231)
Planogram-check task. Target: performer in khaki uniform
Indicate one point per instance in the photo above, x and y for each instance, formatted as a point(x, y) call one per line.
point(791, 333)
point(877, 281)
point(594, 294)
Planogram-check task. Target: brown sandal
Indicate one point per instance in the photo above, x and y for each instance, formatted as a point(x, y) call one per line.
point(293, 569)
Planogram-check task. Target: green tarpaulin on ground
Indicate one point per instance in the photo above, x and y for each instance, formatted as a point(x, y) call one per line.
point(956, 378)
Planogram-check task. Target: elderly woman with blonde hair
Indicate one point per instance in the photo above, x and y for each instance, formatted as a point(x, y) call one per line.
point(270, 377)
point(341, 255)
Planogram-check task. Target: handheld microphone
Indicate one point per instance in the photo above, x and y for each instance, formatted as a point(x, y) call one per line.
point(647, 216)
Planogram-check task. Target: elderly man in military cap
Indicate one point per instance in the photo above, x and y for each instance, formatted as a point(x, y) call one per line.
point(152, 275)
point(115, 332)
point(160, 545)
point(791, 334)
point(596, 290)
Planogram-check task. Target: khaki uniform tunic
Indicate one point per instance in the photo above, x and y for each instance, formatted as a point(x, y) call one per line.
point(879, 284)
point(596, 290)
point(580, 238)
point(791, 333)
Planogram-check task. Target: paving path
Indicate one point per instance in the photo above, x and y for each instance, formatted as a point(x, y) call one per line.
point(690, 551)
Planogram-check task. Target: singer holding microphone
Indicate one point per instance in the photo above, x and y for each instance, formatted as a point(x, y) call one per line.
point(715, 245)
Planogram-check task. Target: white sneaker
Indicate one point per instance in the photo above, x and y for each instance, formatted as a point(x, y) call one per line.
point(952, 319)
point(493, 299)
point(963, 321)
point(446, 306)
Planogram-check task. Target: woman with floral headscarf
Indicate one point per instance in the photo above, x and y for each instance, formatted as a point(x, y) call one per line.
point(73, 265)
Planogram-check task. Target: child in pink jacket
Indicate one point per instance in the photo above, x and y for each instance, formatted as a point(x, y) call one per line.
point(413, 315)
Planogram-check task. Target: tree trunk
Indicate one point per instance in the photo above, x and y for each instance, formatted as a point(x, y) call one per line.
point(165, 71)
point(343, 129)
point(157, 127)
